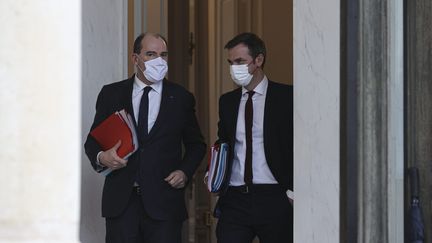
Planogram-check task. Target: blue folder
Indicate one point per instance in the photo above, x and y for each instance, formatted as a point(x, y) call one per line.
point(217, 167)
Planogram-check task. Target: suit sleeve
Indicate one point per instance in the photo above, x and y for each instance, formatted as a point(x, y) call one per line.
point(91, 147)
point(290, 136)
point(195, 147)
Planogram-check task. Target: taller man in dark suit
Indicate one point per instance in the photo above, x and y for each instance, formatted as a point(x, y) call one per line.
point(143, 198)
point(256, 120)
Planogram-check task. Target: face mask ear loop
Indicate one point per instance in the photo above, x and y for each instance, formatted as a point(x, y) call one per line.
point(253, 61)
point(141, 61)
point(140, 68)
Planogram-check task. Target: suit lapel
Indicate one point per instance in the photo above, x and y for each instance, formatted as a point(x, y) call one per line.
point(127, 99)
point(233, 113)
point(268, 111)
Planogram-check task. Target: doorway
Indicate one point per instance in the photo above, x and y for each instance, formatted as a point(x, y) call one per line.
point(196, 31)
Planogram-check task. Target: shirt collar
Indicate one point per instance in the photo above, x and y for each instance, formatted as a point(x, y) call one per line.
point(260, 89)
point(140, 85)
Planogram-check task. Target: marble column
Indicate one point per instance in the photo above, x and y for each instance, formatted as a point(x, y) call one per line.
point(104, 60)
point(40, 77)
point(316, 120)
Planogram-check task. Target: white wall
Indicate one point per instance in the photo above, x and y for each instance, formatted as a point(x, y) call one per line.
point(316, 121)
point(104, 60)
point(40, 79)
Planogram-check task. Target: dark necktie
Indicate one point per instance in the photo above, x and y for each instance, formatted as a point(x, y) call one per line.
point(143, 115)
point(248, 127)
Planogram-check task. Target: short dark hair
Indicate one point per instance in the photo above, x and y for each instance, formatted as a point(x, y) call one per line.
point(138, 41)
point(255, 45)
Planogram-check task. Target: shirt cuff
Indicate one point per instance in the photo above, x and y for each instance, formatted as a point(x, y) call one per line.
point(290, 194)
point(99, 167)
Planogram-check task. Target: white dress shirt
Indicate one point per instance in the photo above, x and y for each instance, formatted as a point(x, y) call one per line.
point(260, 170)
point(155, 96)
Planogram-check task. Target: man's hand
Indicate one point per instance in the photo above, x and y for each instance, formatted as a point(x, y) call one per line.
point(110, 158)
point(177, 179)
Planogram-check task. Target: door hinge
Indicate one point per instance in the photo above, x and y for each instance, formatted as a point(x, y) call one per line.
point(208, 218)
point(191, 47)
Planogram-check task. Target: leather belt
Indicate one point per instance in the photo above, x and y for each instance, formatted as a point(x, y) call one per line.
point(257, 188)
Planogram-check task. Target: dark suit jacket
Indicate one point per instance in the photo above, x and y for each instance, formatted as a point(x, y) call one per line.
point(278, 129)
point(162, 153)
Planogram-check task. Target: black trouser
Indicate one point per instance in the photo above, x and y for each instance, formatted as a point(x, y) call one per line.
point(135, 226)
point(262, 211)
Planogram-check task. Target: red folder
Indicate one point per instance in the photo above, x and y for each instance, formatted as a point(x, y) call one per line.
point(113, 129)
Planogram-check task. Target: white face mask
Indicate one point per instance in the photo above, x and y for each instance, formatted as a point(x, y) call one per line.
point(240, 74)
point(156, 69)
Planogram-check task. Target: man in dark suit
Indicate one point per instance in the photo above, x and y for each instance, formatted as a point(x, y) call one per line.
point(143, 198)
point(256, 120)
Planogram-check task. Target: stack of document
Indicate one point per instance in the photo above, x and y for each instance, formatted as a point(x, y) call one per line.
point(118, 126)
point(217, 167)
